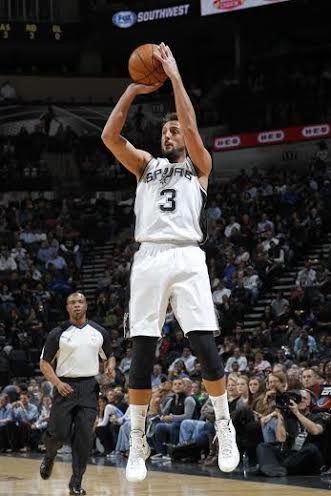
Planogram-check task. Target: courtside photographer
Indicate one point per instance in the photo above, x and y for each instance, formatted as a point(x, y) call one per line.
point(299, 434)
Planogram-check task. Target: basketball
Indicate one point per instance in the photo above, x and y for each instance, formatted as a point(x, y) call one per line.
point(144, 67)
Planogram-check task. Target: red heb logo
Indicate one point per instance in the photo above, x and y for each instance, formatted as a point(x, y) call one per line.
point(316, 131)
point(271, 137)
point(227, 142)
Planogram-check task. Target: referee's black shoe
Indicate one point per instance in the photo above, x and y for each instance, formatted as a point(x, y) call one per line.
point(76, 490)
point(46, 467)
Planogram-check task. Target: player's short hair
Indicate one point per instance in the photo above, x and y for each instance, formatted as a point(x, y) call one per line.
point(171, 116)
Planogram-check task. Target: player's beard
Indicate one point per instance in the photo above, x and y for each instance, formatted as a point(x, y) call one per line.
point(173, 154)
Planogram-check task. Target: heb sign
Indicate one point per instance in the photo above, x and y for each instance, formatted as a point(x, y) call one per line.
point(316, 131)
point(274, 137)
point(227, 142)
point(271, 137)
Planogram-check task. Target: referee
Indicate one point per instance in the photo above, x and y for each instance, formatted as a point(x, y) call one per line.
point(76, 346)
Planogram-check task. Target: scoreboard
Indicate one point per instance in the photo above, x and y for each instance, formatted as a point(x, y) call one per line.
point(34, 32)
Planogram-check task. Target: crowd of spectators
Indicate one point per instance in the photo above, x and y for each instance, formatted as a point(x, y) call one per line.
point(267, 95)
point(21, 157)
point(41, 251)
point(261, 225)
point(264, 94)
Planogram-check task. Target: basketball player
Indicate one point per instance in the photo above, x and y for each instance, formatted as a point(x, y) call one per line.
point(76, 346)
point(170, 197)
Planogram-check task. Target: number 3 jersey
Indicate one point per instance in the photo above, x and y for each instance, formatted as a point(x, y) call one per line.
point(170, 202)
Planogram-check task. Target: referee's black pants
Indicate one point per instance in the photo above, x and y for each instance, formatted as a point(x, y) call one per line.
point(72, 417)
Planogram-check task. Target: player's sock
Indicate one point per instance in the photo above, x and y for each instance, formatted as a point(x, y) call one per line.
point(138, 419)
point(221, 406)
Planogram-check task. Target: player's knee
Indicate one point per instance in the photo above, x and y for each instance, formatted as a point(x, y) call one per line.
point(59, 436)
point(142, 362)
point(204, 347)
point(139, 380)
point(212, 372)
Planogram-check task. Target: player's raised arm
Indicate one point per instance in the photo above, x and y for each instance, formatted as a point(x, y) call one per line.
point(185, 112)
point(132, 158)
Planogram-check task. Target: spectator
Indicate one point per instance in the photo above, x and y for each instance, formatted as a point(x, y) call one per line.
point(156, 376)
point(237, 357)
point(302, 455)
point(256, 387)
point(252, 284)
point(307, 276)
point(39, 427)
point(7, 261)
point(57, 262)
point(232, 228)
point(260, 365)
point(264, 224)
point(310, 381)
point(125, 363)
point(177, 409)
point(219, 291)
point(305, 346)
point(187, 358)
point(279, 306)
point(6, 416)
point(24, 414)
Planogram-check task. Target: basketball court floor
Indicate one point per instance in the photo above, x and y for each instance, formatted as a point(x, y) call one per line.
point(19, 476)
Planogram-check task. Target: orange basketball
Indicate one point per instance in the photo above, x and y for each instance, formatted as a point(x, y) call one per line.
point(144, 67)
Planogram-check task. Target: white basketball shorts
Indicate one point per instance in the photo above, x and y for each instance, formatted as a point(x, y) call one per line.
point(163, 273)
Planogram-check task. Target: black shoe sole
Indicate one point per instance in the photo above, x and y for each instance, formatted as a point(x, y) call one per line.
point(46, 471)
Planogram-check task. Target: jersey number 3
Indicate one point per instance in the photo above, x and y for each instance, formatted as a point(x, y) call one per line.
point(170, 204)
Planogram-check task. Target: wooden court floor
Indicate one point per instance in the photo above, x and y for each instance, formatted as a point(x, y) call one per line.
point(20, 477)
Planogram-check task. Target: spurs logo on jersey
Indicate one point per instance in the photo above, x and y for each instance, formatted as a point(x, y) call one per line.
point(169, 205)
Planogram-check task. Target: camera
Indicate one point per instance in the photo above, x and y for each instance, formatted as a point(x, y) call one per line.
point(283, 400)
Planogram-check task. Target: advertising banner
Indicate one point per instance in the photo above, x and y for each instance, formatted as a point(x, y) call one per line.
point(128, 18)
point(289, 156)
point(209, 7)
point(274, 137)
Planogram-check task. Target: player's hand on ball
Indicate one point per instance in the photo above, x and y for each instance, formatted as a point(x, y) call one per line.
point(144, 89)
point(64, 389)
point(167, 60)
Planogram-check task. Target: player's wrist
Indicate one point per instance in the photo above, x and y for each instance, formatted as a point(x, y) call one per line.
point(175, 77)
point(132, 90)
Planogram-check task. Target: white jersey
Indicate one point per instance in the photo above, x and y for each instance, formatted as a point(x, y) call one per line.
point(169, 205)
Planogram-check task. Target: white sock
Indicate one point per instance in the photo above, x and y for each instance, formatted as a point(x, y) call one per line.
point(221, 406)
point(138, 419)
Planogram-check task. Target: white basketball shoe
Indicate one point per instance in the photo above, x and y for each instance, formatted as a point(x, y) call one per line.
point(139, 452)
point(228, 453)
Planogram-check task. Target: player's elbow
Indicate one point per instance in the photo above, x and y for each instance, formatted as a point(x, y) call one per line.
point(109, 139)
point(106, 137)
